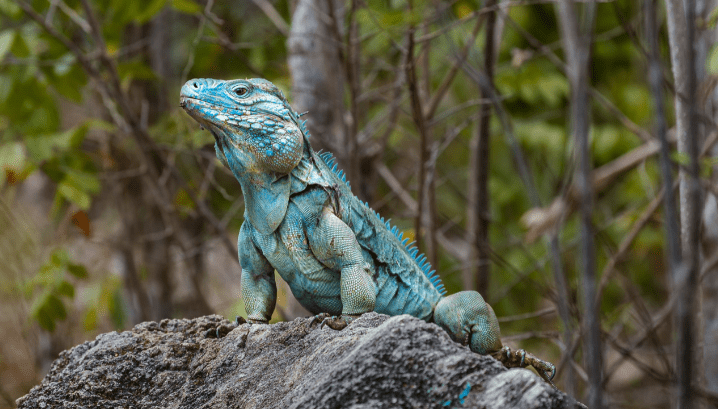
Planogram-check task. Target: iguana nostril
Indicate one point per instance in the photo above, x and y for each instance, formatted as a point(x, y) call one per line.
point(194, 84)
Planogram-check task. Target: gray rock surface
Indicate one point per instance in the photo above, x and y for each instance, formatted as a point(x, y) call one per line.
point(376, 362)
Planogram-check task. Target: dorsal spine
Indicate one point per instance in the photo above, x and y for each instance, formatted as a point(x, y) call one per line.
point(419, 259)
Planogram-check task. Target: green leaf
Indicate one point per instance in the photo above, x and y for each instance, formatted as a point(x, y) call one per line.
point(712, 18)
point(74, 195)
point(63, 65)
point(44, 147)
point(6, 85)
point(89, 323)
point(186, 6)
point(149, 11)
point(78, 270)
point(47, 309)
point(712, 60)
point(681, 158)
point(134, 70)
point(66, 289)
point(85, 181)
point(101, 125)
point(44, 319)
point(12, 156)
point(59, 258)
point(9, 8)
point(21, 45)
point(6, 39)
point(55, 307)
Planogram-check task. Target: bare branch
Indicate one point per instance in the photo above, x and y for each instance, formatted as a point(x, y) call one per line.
point(273, 16)
point(449, 77)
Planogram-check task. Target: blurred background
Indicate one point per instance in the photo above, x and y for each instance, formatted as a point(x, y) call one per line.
point(452, 118)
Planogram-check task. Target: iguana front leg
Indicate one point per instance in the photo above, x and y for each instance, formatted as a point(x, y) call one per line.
point(259, 290)
point(334, 245)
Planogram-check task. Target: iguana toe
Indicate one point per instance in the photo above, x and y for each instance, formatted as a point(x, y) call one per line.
point(335, 323)
point(319, 318)
point(332, 321)
point(522, 359)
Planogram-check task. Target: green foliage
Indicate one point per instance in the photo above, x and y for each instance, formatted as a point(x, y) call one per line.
point(50, 285)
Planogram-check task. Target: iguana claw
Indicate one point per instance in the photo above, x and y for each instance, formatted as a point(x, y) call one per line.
point(332, 321)
point(224, 329)
point(522, 359)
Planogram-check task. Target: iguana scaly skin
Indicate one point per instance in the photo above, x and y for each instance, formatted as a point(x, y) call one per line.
point(339, 257)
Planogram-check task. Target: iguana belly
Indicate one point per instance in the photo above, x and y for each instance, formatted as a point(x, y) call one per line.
point(314, 285)
point(317, 287)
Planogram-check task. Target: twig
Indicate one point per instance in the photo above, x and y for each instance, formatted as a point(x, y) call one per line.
point(625, 121)
point(628, 241)
point(84, 25)
point(440, 92)
point(456, 248)
point(529, 315)
point(198, 37)
point(541, 220)
point(273, 16)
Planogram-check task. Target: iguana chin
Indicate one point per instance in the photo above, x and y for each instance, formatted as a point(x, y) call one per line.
point(339, 257)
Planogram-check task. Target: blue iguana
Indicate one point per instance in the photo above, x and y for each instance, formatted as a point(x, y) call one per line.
point(339, 257)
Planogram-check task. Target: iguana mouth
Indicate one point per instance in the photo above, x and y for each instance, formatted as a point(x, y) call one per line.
point(184, 100)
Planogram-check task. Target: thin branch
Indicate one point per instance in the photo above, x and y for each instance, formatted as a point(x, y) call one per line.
point(449, 77)
point(455, 247)
point(198, 37)
point(273, 16)
point(627, 241)
point(528, 315)
point(620, 116)
point(479, 213)
point(543, 220)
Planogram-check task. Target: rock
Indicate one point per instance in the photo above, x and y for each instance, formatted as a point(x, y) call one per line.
point(376, 362)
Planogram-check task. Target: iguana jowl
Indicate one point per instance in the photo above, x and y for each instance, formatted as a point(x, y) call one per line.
point(339, 257)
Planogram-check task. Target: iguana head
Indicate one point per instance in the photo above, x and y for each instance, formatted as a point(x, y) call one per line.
point(255, 128)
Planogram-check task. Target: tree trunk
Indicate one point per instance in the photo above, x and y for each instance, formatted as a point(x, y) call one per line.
point(681, 40)
point(315, 65)
point(707, 39)
point(479, 265)
point(577, 46)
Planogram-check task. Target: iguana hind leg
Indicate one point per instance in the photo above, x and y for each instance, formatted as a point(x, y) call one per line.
point(521, 359)
point(470, 320)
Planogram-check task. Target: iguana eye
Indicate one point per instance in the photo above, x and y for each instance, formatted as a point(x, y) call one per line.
point(241, 91)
